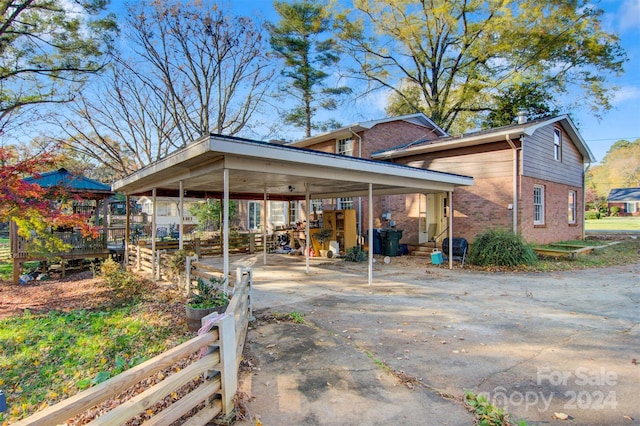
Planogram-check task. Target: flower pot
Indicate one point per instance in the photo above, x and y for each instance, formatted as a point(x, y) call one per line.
point(195, 315)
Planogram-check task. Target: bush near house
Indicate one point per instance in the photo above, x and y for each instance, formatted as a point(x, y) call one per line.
point(592, 215)
point(501, 248)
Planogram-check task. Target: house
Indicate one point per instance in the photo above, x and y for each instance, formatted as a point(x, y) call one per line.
point(358, 140)
point(168, 214)
point(528, 177)
point(626, 199)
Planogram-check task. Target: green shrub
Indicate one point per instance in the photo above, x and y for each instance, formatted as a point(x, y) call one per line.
point(355, 254)
point(615, 211)
point(592, 215)
point(501, 248)
point(125, 285)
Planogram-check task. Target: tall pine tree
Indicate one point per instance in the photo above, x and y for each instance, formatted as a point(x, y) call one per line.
point(298, 39)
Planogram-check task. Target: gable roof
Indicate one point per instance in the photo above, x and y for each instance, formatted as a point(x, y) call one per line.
point(418, 118)
point(512, 131)
point(624, 194)
point(72, 182)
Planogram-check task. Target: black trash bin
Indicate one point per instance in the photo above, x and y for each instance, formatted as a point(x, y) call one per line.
point(377, 241)
point(391, 240)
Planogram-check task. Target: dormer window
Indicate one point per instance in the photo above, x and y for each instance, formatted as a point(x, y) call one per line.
point(557, 144)
point(345, 146)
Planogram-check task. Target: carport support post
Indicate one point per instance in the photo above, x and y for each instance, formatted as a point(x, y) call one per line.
point(307, 247)
point(263, 220)
point(225, 230)
point(370, 235)
point(153, 232)
point(450, 229)
point(180, 209)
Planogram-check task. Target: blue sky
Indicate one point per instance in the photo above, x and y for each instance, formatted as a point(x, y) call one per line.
point(622, 122)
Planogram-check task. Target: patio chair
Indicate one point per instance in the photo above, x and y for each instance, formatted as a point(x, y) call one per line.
point(460, 247)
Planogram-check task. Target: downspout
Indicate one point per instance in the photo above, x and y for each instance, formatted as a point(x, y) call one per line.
point(515, 181)
point(359, 198)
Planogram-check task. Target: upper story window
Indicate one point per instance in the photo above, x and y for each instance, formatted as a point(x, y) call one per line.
point(557, 144)
point(345, 203)
point(345, 146)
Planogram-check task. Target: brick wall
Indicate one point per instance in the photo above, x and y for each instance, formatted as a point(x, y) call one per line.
point(556, 226)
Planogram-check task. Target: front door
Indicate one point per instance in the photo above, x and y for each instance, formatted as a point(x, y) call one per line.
point(432, 220)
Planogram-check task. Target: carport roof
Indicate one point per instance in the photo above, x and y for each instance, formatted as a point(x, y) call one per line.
point(281, 171)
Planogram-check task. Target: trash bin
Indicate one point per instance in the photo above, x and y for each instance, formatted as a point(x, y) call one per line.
point(391, 240)
point(377, 241)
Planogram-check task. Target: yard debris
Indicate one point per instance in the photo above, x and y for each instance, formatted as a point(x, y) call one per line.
point(560, 416)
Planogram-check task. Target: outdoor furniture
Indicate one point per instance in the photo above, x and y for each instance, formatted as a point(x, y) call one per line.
point(460, 247)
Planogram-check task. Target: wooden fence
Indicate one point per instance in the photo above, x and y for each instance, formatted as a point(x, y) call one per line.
point(141, 258)
point(5, 253)
point(217, 369)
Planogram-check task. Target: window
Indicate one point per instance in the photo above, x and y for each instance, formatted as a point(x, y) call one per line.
point(630, 207)
point(538, 205)
point(557, 144)
point(345, 146)
point(254, 216)
point(345, 203)
point(166, 209)
point(316, 205)
point(147, 208)
point(276, 213)
point(293, 212)
point(572, 206)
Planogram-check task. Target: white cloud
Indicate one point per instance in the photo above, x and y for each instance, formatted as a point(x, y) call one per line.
point(630, 15)
point(626, 93)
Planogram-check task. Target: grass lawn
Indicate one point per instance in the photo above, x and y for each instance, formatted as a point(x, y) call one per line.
point(626, 223)
point(48, 357)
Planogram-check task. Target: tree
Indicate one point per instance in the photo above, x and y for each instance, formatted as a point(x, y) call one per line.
point(620, 168)
point(462, 54)
point(298, 39)
point(208, 213)
point(32, 207)
point(193, 70)
point(48, 48)
point(526, 97)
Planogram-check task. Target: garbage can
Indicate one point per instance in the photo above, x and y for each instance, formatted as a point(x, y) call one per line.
point(377, 241)
point(391, 240)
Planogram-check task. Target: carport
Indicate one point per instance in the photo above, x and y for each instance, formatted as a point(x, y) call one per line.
point(226, 167)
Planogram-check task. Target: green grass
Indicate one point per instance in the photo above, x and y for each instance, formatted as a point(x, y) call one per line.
point(626, 223)
point(624, 253)
point(47, 358)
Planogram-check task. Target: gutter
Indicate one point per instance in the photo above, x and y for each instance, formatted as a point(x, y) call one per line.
point(515, 179)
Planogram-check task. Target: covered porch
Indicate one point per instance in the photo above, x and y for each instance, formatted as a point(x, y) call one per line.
point(229, 168)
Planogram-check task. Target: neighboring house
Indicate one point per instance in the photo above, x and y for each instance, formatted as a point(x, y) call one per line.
point(528, 177)
point(167, 213)
point(626, 199)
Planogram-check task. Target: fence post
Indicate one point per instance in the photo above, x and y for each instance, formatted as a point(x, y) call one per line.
point(252, 243)
point(187, 285)
point(138, 259)
point(228, 373)
point(157, 271)
point(196, 247)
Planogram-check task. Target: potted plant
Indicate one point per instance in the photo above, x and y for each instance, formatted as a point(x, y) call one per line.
point(208, 297)
point(323, 237)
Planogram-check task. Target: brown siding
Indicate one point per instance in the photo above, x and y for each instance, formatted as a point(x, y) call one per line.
point(483, 161)
point(539, 162)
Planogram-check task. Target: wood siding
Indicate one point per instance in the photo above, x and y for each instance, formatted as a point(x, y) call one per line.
point(538, 159)
point(484, 161)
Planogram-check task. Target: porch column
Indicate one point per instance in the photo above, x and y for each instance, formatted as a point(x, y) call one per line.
point(450, 229)
point(370, 235)
point(181, 212)
point(263, 225)
point(153, 232)
point(225, 235)
point(307, 200)
point(127, 228)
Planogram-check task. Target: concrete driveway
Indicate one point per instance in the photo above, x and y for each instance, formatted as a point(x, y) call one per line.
point(405, 350)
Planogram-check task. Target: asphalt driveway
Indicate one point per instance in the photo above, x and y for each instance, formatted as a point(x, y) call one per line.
point(405, 350)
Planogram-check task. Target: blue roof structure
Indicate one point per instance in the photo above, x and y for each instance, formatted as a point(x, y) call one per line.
point(624, 194)
point(72, 182)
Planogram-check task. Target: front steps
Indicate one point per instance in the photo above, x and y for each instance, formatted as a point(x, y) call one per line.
point(424, 250)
